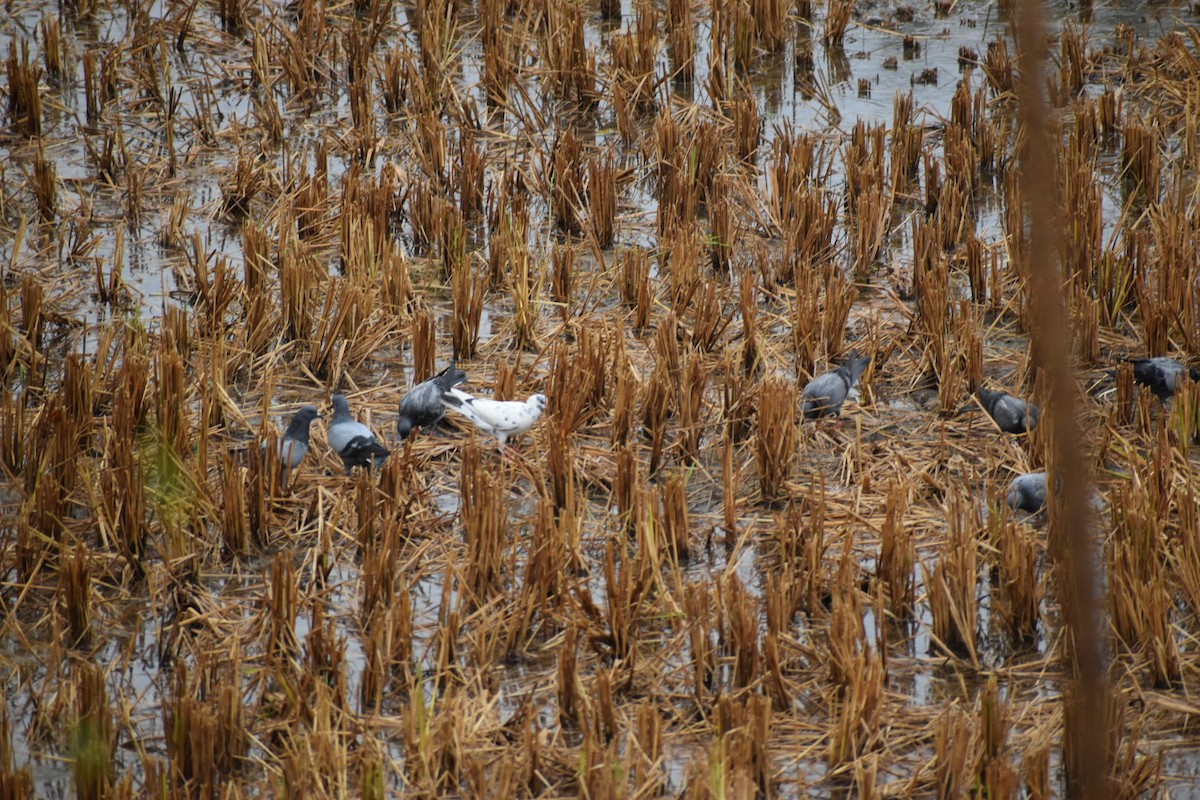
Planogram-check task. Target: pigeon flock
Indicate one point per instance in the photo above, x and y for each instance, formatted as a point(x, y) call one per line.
point(425, 405)
point(420, 410)
point(825, 394)
point(1027, 492)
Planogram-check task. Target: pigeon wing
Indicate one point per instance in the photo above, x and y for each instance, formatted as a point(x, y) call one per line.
point(824, 395)
point(1028, 492)
point(292, 452)
point(501, 416)
point(423, 405)
point(1009, 413)
point(363, 451)
point(342, 433)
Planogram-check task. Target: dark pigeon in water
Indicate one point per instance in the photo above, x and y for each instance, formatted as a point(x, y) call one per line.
point(824, 395)
point(293, 446)
point(1161, 375)
point(422, 407)
point(1012, 414)
point(352, 440)
point(1028, 492)
point(500, 418)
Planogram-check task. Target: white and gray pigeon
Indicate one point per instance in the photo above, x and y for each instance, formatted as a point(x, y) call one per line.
point(500, 418)
point(1028, 492)
point(293, 445)
point(422, 407)
point(824, 395)
point(352, 440)
point(1012, 414)
point(1161, 375)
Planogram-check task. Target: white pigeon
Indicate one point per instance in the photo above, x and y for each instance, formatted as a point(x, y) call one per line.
point(500, 418)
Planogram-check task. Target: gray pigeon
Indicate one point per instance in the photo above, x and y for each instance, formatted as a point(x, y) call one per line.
point(500, 418)
point(1012, 414)
point(1028, 492)
point(422, 407)
point(1161, 375)
point(352, 440)
point(293, 446)
point(824, 395)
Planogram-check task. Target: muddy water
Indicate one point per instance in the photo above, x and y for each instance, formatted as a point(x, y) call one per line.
point(783, 95)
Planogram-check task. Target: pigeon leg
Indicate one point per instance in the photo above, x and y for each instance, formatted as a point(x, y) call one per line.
point(514, 455)
point(508, 450)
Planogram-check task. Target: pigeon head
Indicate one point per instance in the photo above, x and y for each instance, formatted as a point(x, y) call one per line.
point(341, 407)
point(538, 401)
point(404, 427)
point(298, 426)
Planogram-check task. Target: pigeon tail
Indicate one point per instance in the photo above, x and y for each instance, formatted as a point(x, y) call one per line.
point(450, 377)
point(364, 452)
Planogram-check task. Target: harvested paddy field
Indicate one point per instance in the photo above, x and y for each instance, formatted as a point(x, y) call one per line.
point(668, 218)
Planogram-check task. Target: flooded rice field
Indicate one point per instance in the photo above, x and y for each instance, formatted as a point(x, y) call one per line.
point(687, 576)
